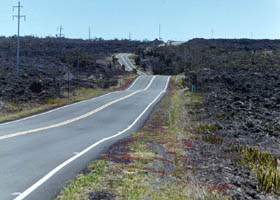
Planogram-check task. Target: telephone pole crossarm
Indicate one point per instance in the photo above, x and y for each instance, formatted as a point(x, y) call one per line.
point(60, 35)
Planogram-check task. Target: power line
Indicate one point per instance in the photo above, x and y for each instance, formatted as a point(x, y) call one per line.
point(19, 18)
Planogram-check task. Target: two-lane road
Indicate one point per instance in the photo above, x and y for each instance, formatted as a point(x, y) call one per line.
point(124, 60)
point(39, 154)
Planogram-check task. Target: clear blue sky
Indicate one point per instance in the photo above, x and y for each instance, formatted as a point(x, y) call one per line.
point(180, 19)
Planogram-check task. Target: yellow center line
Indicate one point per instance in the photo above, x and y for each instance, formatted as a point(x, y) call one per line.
point(77, 118)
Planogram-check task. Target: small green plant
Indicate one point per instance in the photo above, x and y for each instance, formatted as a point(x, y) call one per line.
point(272, 128)
point(179, 83)
point(51, 101)
point(221, 116)
point(194, 117)
point(213, 139)
point(206, 127)
point(254, 157)
point(264, 164)
point(268, 179)
point(247, 84)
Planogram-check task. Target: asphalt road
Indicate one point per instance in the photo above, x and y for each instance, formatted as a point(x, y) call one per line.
point(39, 154)
point(124, 60)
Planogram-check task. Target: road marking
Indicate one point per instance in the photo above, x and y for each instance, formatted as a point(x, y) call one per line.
point(126, 62)
point(56, 109)
point(133, 67)
point(133, 83)
point(138, 71)
point(16, 194)
point(77, 118)
point(67, 162)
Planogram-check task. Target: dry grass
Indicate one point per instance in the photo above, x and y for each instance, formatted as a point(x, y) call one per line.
point(16, 110)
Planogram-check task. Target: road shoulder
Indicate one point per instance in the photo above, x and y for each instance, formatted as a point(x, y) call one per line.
point(22, 111)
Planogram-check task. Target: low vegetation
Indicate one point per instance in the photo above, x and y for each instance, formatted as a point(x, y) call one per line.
point(262, 163)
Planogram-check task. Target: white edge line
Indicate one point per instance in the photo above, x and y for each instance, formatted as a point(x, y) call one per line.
point(133, 83)
point(131, 68)
point(126, 60)
point(53, 110)
point(123, 61)
point(62, 165)
point(56, 109)
point(138, 71)
point(79, 117)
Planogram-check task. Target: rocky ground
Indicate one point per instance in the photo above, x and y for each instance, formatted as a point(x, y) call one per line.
point(238, 82)
point(244, 103)
point(48, 80)
point(203, 53)
point(241, 105)
point(45, 63)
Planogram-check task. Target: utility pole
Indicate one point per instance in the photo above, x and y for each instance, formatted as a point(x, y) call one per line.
point(129, 36)
point(19, 17)
point(78, 61)
point(60, 32)
point(212, 33)
point(89, 34)
point(159, 32)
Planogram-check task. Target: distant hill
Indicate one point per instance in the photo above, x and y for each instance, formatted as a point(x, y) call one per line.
point(203, 53)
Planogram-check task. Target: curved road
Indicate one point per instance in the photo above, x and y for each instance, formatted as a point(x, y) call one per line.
point(41, 153)
point(124, 60)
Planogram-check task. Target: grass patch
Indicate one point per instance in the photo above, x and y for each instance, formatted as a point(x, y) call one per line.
point(213, 139)
point(262, 163)
point(206, 127)
point(194, 98)
point(273, 127)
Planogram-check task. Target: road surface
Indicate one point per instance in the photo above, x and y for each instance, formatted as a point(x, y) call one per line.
point(124, 60)
point(41, 153)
